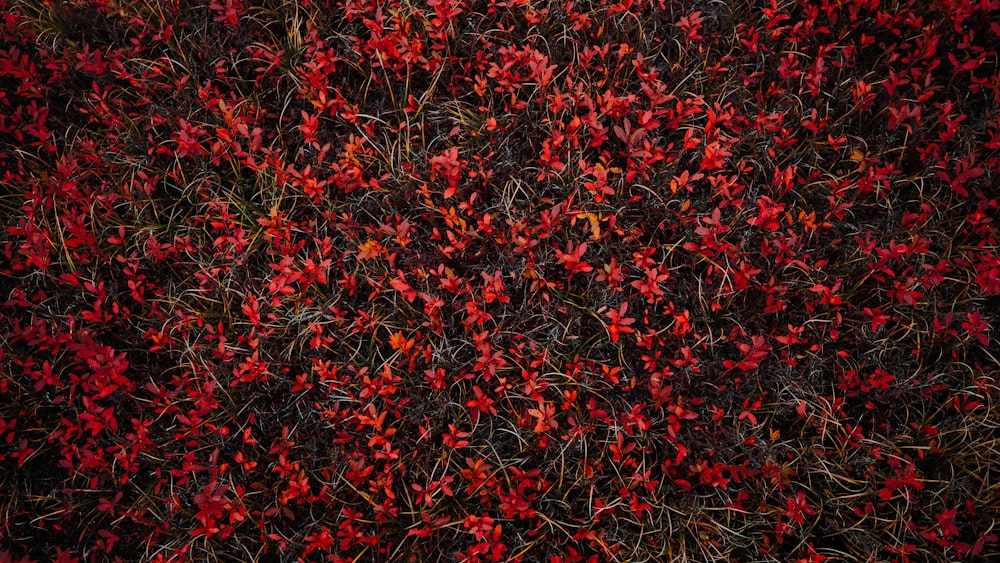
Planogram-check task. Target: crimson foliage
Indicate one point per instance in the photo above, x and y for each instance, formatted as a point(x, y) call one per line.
point(558, 281)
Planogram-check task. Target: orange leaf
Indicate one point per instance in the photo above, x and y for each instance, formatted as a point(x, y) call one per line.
point(370, 249)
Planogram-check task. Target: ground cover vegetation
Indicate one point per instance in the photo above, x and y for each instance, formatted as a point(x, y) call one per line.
point(466, 280)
